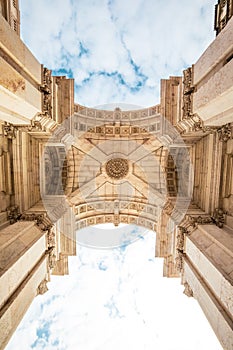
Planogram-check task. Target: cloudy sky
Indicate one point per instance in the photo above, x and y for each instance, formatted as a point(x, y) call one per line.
point(117, 51)
point(115, 299)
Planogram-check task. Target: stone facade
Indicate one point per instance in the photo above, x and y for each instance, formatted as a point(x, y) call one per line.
point(167, 168)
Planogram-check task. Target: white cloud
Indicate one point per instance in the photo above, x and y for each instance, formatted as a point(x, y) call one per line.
point(142, 41)
point(118, 51)
point(115, 299)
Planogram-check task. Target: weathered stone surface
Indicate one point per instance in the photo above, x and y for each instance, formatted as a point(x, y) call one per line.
point(168, 168)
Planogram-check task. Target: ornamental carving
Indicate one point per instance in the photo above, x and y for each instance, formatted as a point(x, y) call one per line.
point(183, 230)
point(51, 238)
point(117, 168)
point(168, 207)
point(218, 217)
point(197, 123)
point(187, 290)
point(180, 240)
point(187, 106)
point(35, 126)
point(46, 89)
point(187, 81)
point(223, 13)
point(188, 89)
point(225, 133)
point(10, 130)
point(52, 258)
point(200, 220)
point(41, 220)
point(13, 214)
point(179, 261)
point(117, 114)
point(42, 288)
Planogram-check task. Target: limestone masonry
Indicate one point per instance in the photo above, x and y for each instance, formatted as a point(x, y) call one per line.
point(168, 168)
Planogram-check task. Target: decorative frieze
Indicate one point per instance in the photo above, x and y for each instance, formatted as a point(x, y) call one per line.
point(116, 130)
point(117, 114)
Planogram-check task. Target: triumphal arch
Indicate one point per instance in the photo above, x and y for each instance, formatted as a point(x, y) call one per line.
point(168, 168)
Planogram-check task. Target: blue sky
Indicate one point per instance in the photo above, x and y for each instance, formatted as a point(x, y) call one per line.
point(117, 51)
point(115, 299)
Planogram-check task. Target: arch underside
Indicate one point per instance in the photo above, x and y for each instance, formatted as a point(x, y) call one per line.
point(88, 173)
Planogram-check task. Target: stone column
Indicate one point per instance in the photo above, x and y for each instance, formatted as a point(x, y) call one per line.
point(208, 273)
point(23, 266)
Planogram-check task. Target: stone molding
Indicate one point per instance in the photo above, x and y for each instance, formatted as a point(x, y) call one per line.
point(194, 123)
point(41, 123)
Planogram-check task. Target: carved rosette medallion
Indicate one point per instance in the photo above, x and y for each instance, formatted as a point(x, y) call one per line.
point(117, 168)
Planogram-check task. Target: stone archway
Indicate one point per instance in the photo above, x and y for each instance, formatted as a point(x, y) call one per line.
point(118, 167)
